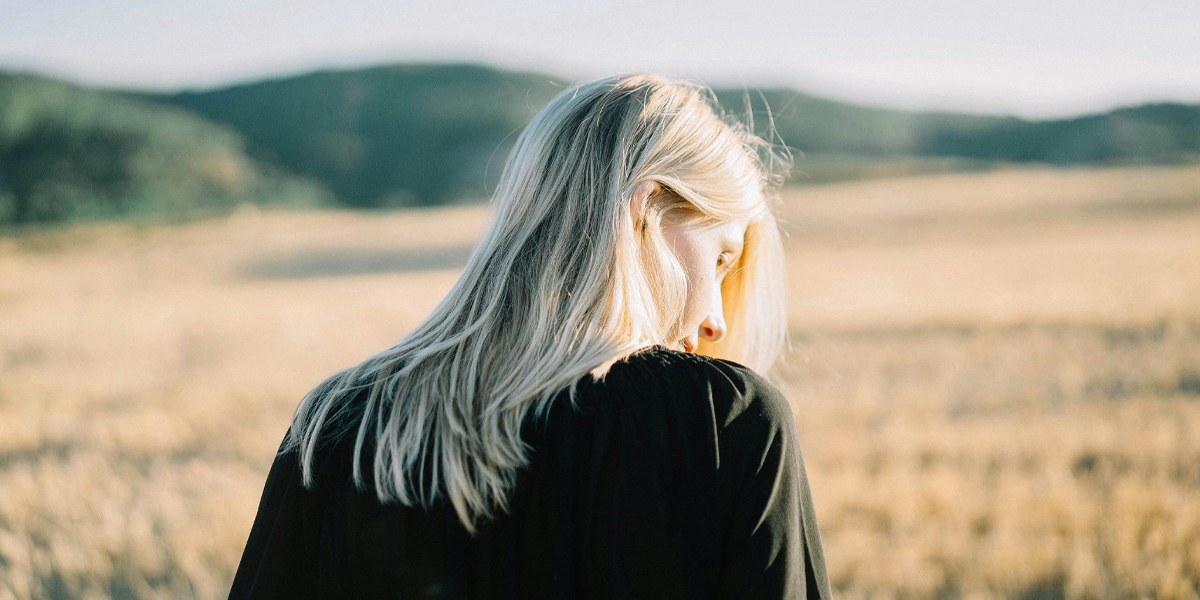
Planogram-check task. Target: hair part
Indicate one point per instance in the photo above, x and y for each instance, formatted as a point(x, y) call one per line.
point(563, 284)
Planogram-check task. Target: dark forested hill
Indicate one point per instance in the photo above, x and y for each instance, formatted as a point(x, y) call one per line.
point(427, 134)
point(69, 152)
point(1147, 133)
point(386, 136)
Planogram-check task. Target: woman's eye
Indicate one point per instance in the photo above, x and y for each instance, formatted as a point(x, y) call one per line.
point(722, 260)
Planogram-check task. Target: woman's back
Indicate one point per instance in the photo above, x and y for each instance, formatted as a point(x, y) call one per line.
point(678, 476)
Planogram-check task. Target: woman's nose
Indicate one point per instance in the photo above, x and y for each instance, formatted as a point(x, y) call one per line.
point(713, 328)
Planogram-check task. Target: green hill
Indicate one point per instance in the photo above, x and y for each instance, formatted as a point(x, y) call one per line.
point(421, 134)
point(71, 153)
point(1149, 133)
point(428, 134)
point(386, 136)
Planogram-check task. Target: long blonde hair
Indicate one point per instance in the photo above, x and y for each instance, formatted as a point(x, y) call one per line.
point(562, 285)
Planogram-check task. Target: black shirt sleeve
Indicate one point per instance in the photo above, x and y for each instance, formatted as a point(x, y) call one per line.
point(277, 562)
point(771, 546)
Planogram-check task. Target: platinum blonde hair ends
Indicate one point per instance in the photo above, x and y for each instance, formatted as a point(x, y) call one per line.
point(565, 282)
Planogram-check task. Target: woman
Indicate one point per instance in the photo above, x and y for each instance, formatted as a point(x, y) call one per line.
point(583, 415)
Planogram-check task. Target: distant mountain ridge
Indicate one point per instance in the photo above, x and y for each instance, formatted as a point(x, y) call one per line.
point(428, 134)
point(424, 133)
point(1162, 132)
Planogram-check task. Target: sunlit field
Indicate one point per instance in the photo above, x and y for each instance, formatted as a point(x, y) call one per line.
point(996, 379)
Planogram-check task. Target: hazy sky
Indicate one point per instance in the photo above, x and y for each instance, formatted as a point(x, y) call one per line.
point(1034, 58)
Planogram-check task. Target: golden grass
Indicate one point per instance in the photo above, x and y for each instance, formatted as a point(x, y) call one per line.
point(997, 381)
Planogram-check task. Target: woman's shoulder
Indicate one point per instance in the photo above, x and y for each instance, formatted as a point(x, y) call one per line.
point(733, 390)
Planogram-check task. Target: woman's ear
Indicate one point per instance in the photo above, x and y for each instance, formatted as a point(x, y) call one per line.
point(637, 203)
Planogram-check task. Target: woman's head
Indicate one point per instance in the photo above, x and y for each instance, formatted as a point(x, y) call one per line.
point(614, 184)
point(630, 213)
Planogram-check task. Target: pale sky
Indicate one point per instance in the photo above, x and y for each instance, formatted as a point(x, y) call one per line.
point(1034, 58)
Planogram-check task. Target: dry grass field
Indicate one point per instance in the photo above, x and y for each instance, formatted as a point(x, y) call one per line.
point(996, 380)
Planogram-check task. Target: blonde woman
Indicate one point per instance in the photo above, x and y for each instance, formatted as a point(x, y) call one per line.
point(592, 410)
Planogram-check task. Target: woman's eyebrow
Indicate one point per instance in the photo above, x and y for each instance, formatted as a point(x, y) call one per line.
point(735, 246)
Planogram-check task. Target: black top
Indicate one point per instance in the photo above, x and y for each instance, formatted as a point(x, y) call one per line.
point(679, 476)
